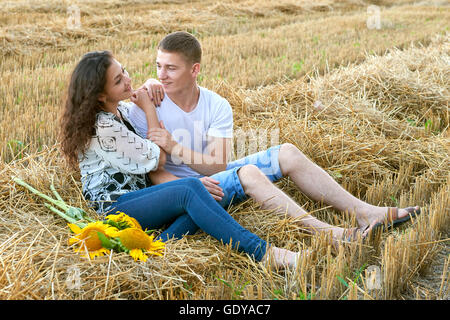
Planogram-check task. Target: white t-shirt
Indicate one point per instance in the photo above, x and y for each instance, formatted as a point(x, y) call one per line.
point(212, 116)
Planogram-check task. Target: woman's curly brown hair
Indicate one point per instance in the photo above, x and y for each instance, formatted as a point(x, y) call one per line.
point(81, 104)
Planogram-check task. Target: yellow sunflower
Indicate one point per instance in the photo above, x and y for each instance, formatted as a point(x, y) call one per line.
point(139, 243)
point(87, 239)
point(122, 218)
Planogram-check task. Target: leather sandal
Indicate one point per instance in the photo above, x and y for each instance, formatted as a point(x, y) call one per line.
point(393, 220)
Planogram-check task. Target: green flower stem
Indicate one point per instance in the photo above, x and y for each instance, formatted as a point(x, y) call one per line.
point(58, 203)
point(71, 214)
point(52, 187)
point(66, 217)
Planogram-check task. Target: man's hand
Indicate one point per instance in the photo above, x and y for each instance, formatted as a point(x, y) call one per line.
point(212, 186)
point(155, 91)
point(162, 138)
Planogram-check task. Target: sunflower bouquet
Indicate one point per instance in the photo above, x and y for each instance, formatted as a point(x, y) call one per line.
point(93, 238)
point(118, 232)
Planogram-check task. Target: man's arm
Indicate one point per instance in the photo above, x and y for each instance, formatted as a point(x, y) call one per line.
point(215, 160)
point(155, 91)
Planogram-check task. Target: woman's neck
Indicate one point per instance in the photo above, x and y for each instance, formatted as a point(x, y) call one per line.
point(112, 108)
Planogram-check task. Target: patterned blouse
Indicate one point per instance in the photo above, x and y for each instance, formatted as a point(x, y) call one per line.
point(117, 160)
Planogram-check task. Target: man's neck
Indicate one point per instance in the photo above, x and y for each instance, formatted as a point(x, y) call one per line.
point(186, 99)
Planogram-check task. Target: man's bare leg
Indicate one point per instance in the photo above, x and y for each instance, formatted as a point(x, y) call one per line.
point(257, 186)
point(317, 184)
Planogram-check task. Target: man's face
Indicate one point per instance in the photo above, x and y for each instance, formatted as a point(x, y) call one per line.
point(174, 72)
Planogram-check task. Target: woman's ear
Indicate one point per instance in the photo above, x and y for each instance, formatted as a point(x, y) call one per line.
point(102, 97)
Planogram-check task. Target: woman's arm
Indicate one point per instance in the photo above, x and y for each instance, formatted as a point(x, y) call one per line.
point(122, 148)
point(141, 98)
point(162, 159)
point(161, 175)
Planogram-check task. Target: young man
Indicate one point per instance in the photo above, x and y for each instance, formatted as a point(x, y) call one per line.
point(196, 132)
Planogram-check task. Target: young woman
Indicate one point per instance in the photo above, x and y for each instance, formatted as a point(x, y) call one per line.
point(97, 137)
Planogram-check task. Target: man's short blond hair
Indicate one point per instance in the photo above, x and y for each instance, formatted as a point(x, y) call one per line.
point(184, 43)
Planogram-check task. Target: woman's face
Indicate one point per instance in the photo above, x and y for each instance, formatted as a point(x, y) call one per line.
point(118, 84)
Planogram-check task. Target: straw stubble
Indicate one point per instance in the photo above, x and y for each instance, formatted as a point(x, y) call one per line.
point(379, 127)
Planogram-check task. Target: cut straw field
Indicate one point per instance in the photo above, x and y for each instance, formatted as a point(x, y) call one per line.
point(369, 105)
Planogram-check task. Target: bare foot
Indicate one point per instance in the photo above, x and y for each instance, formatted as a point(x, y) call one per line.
point(341, 235)
point(282, 258)
point(346, 235)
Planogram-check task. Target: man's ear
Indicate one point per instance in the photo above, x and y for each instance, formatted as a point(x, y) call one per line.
point(195, 69)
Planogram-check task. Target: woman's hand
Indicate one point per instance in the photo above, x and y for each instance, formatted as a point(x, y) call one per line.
point(141, 98)
point(155, 91)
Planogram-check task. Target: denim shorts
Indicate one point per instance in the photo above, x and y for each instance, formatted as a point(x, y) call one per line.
point(266, 161)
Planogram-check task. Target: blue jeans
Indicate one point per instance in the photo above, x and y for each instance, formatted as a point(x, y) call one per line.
point(266, 161)
point(187, 206)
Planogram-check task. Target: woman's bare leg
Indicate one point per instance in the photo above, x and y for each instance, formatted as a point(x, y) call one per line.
point(282, 258)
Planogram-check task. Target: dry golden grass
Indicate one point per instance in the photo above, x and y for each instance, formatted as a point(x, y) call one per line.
point(382, 134)
point(243, 50)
